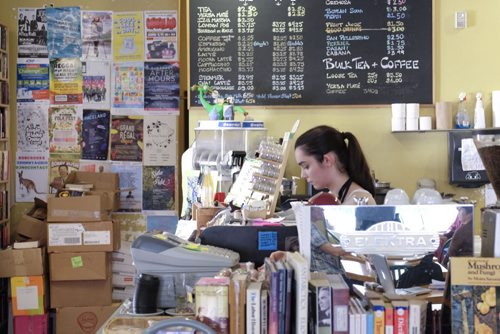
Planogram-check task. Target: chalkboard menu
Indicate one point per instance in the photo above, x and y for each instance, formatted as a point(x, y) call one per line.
point(313, 52)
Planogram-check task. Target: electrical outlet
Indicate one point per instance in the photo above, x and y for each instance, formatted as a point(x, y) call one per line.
point(460, 20)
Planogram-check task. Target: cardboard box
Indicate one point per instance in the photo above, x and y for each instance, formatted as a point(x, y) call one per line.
point(102, 236)
point(80, 293)
point(22, 262)
point(31, 324)
point(106, 185)
point(203, 215)
point(79, 266)
point(71, 209)
point(31, 229)
point(82, 320)
point(123, 279)
point(28, 294)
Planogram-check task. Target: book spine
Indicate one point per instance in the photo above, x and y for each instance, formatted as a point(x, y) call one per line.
point(370, 320)
point(253, 311)
point(389, 319)
point(288, 306)
point(340, 303)
point(264, 311)
point(378, 319)
point(400, 314)
point(274, 303)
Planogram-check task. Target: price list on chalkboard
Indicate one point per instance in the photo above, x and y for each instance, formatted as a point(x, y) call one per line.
point(303, 52)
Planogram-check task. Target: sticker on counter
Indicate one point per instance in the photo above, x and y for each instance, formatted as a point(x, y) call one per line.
point(65, 234)
point(97, 238)
point(268, 241)
point(76, 262)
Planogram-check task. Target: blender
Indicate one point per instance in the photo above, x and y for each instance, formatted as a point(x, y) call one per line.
point(488, 146)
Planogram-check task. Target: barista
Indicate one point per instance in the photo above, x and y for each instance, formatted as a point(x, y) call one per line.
point(334, 160)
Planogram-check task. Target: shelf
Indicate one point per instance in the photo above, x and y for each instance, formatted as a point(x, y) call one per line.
point(2, 105)
point(3, 221)
point(450, 130)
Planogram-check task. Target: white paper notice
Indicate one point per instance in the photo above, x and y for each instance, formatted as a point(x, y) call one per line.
point(96, 238)
point(470, 156)
point(27, 298)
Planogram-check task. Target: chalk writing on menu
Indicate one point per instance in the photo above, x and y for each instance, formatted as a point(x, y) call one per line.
point(303, 52)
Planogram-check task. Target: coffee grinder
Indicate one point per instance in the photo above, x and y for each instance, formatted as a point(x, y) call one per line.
point(488, 146)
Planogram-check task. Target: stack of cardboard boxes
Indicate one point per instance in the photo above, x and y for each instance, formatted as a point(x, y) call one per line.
point(26, 269)
point(124, 272)
point(80, 239)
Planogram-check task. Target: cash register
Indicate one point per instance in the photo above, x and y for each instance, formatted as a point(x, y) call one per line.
point(166, 255)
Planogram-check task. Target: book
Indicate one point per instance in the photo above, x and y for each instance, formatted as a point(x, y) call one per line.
point(389, 318)
point(340, 304)
point(212, 303)
point(378, 308)
point(417, 316)
point(272, 278)
point(237, 300)
point(288, 306)
point(301, 278)
point(280, 266)
point(360, 316)
point(400, 315)
point(253, 308)
point(264, 309)
point(320, 303)
point(475, 289)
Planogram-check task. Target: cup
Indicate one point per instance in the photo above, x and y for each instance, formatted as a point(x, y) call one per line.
point(146, 294)
point(412, 124)
point(412, 110)
point(398, 123)
point(398, 110)
point(425, 123)
point(495, 106)
point(444, 120)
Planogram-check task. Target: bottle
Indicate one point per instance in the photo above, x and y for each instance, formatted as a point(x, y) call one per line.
point(479, 122)
point(207, 188)
point(462, 120)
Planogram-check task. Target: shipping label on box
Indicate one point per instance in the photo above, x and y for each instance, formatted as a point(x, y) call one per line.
point(27, 295)
point(83, 237)
point(475, 288)
point(97, 238)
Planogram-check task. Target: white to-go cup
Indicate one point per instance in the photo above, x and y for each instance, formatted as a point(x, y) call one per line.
point(398, 110)
point(444, 115)
point(412, 110)
point(425, 123)
point(495, 106)
point(398, 123)
point(412, 124)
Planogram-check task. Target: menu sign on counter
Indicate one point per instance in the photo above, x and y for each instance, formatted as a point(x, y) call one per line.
point(313, 52)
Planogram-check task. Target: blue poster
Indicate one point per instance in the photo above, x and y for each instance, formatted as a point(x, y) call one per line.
point(64, 32)
point(32, 82)
point(95, 134)
point(161, 86)
point(158, 188)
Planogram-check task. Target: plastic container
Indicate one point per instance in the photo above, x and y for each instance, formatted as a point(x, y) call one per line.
point(462, 120)
point(488, 146)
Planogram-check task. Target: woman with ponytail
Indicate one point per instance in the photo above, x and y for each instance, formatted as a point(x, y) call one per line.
point(334, 160)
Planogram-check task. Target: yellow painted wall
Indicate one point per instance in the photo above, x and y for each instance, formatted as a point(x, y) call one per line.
point(465, 60)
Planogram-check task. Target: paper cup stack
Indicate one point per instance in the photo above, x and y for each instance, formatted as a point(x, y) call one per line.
point(398, 116)
point(425, 123)
point(412, 115)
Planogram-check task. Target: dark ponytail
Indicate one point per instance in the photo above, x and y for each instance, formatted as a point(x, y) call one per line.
point(323, 139)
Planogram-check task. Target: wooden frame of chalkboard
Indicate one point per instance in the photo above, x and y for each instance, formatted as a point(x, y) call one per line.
point(302, 52)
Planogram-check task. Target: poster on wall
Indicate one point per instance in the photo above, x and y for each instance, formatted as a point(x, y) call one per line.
point(65, 124)
point(161, 88)
point(128, 36)
point(32, 33)
point(95, 166)
point(130, 185)
point(95, 134)
point(96, 84)
point(160, 35)
point(96, 35)
point(32, 80)
point(160, 140)
point(31, 176)
point(64, 33)
point(66, 81)
point(158, 192)
point(32, 127)
point(59, 170)
point(126, 138)
point(128, 88)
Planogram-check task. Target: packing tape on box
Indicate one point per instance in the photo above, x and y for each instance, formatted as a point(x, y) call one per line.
point(83, 214)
